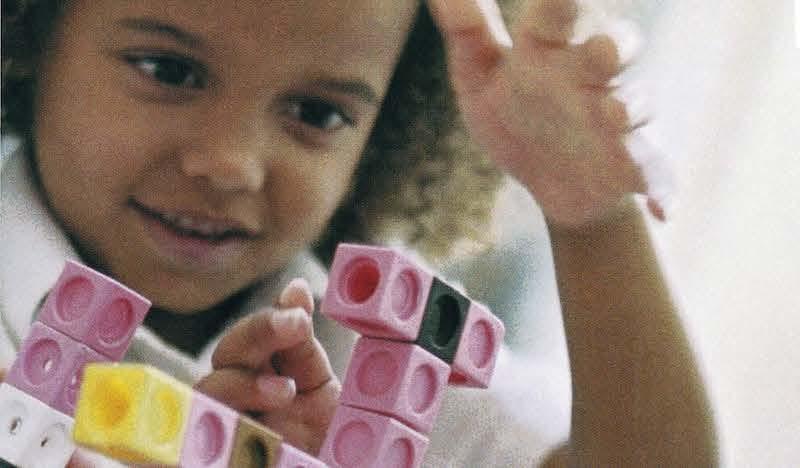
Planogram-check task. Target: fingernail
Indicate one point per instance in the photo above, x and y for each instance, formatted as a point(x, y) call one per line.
point(276, 387)
point(287, 320)
point(497, 26)
point(297, 294)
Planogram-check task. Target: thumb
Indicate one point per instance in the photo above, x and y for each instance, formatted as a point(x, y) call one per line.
point(475, 36)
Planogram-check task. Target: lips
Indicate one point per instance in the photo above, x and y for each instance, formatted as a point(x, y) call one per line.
point(203, 227)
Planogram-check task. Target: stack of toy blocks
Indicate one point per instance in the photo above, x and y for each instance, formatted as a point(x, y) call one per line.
point(418, 335)
point(87, 317)
point(137, 414)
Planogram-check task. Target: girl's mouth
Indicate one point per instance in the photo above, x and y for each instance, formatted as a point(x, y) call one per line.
point(202, 228)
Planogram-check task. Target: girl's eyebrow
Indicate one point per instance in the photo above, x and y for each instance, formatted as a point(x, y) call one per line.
point(155, 26)
point(357, 88)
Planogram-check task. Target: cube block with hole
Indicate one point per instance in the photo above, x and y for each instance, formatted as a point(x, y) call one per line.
point(398, 379)
point(209, 434)
point(478, 346)
point(133, 413)
point(31, 433)
point(376, 291)
point(94, 309)
point(254, 445)
point(443, 320)
point(365, 439)
point(49, 366)
point(291, 457)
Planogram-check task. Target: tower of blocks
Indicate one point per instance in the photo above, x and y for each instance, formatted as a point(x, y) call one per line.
point(418, 335)
point(87, 317)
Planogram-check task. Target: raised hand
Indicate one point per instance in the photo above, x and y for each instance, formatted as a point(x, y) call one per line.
point(271, 366)
point(544, 109)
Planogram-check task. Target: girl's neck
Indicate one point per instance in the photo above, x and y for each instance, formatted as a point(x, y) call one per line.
point(191, 333)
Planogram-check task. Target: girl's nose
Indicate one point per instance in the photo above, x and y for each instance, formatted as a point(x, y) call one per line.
point(228, 169)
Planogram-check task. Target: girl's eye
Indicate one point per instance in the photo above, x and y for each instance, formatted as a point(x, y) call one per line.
point(318, 114)
point(170, 71)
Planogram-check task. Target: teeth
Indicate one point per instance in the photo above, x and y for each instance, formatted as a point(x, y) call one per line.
point(205, 228)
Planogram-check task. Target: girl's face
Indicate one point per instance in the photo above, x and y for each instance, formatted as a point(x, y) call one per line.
point(191, 147)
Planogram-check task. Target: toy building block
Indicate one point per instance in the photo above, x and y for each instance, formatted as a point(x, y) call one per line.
point(291, 457)
point(254, 445)
point(481, 337)
point(365, 439)
point(49, 366)
point(376, 291)
point(32, 435)
point(94, 309)
point(209, 434)
point(397, 379)
point(443, 321)
point(134, 413)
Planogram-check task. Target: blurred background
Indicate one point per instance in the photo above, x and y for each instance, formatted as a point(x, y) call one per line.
point(722, 81)
point(723, 85)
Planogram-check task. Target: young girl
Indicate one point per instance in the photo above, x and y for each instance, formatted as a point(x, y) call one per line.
point(198, 151)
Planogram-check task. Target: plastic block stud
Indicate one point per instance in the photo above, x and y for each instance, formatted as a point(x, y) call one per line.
point(398, 379)
point(445, 314)
point(32, 435)
point(254, 445)
point(49, 367)
point(209, 434)
point(376, 291)
point(473, 364)
point(364, 439)
point(133, 413)
point(293, 458)
point(94, 309)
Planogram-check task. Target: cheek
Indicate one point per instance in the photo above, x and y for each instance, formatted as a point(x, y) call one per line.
point(305, 198)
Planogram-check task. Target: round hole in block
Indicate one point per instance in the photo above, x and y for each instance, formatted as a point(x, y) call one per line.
point(110, 403)
point(41, 361)
point(405, 290)
point(449, 319)
point(74, 299)
point(116, 322)
point(377, 374)
point(360, 279)
point(208, 437)
point(481, 343)
point(53, 441)
point(256, 453)
point(399, 455)
point(423, 389)
point(165, 414)
point(353, 444)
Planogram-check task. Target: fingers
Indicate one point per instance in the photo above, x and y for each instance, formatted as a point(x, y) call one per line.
point(246, 390)
point(307, 363)
point(549, 22)
point(476, 39)
point(297, 294)
point(252, 341)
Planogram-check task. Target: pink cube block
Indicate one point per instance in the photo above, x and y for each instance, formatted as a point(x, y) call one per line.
point(291, 457)
point(209, 436)
point(364, 439)
point(473, 364)
point(401, 380)
point(49, 367)
point(94, 309)
point(377, 292)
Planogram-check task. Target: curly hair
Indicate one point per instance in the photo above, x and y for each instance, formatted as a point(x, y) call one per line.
point(420, 180)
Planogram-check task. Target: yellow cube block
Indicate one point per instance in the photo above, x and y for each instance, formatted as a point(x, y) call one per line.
point(133, 413)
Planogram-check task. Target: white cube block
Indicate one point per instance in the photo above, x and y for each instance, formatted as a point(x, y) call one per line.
point(33, 435)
